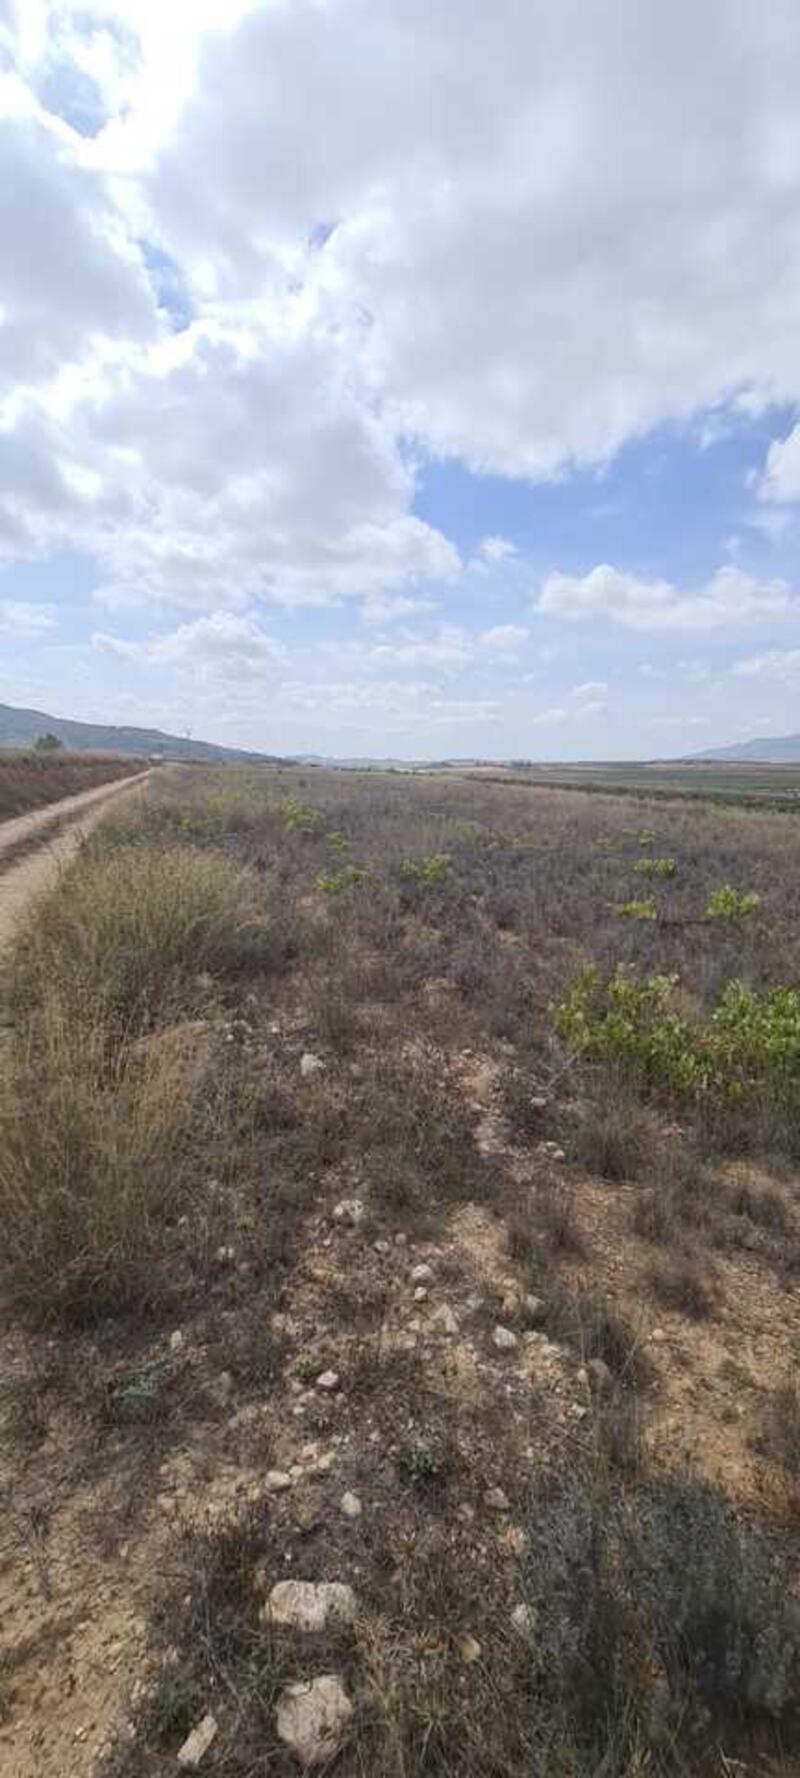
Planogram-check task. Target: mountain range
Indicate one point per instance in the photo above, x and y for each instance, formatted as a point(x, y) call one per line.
point(22, 728)
point(774, 750)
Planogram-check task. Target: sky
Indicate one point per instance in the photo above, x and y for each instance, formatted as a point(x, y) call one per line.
point(407, 379)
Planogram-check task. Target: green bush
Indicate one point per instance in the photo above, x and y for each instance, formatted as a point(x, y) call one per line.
point(431, 870)
point(644, 909)
point(655, 867)
point(349, 877)
point(298, 817)
point(746, 1052)
point(727, 903)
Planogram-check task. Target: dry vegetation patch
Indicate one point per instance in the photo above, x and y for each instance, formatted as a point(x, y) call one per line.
point(358, 1266)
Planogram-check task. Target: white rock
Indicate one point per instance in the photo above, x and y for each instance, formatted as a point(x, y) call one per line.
point(197, 1744)
point(277, 1481)
point(177, 1340)
point(310, 1605)
point(523, 1617)
point(496, 1500)
point(350, 1505)
point(422, 1274)
point(600, 1377)
point(504, 1339)
point(311, 1716)
point(382, 1246)
point(349, 1210)
point(533, 1308)
point(328, 1381)
point(420, 1294)
point(469, 1649)
point(445, 1319)
point(310, 1064)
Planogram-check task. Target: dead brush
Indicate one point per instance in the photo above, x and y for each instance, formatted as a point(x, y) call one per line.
point(92, 1159)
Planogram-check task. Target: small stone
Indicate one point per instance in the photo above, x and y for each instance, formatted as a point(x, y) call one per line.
point(504, 1340)
point(444, 1319)
point(324, 1463)
point(420, 1294)
point(177, 1340)
point(533, 1308)
point(515, 1540)
point(401, 1240)
point(523, 1617)
point(197, 1744)
point(422, 1274)
point(469, 1649)
point(382, 1246)
point(658, 1336)
point(296, 1472)
point(311, 1716)
point(328, 1382)
point(350, 1211)
point(351, 1506)
point(277, 1481)
point(600, 1377)
point(310, 1605)
point(310, 1064)
point(226, 1255)
point(552, 1151)
point(496, 1500)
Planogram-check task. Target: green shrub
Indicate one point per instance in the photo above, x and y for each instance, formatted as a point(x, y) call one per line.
point(644, 909)
point(655, 867)
point(338, 844)
point(351, 876)
point(746, 1052)
point(727, 903)
point(298, 817)
point(432, 870)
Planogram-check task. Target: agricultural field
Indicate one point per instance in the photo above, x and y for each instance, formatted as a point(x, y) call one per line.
point(398, 1178)
point(31, 780)
point(746, 783)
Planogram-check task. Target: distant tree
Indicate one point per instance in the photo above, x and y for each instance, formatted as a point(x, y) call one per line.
point(47, 744)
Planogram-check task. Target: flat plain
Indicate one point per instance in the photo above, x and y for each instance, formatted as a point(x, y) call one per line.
point(398, 1176)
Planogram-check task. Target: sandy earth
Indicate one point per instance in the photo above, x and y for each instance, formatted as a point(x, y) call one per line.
point(55, 833)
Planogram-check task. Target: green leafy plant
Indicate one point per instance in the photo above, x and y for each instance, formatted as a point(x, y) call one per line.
point(349, 877)
point(746, 1052)
point(655, 867)
point(646, 908)
point(431, 870)
point(298, 817)
point(727, 903)
point(338, 844)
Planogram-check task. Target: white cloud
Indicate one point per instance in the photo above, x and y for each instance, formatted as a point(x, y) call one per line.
point(778, 667)
point(497, 549)
point(594, 707)
point(21, 618)
point(449, 647)
point(533, 219)
point(224, 647)
point(591, 688)
point(729, 597)
point(780, 482)
point(556, 714)
point(503, 639)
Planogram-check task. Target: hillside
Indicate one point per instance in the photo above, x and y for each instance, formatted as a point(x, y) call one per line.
point(20, 728)
point(774, 750)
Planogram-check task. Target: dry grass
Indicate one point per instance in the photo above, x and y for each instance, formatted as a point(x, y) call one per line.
point(31, 780)
point(661, 1631)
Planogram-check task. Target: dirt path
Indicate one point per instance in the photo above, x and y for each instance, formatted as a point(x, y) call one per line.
point(56, 833)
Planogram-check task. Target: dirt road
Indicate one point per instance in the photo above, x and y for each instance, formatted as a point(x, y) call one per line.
point(55, 834)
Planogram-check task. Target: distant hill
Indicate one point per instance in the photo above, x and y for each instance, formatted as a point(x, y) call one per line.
point(783, 750)
point(20, 728)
